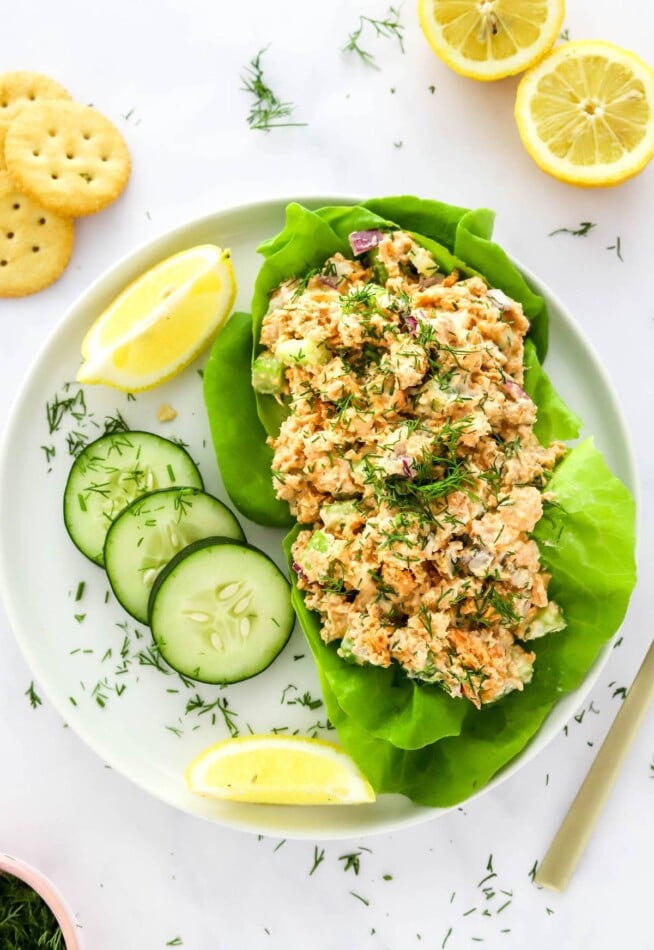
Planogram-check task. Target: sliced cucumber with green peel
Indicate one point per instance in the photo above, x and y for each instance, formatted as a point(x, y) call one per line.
point(221, 611)
point(111, 473)
point(151, 531)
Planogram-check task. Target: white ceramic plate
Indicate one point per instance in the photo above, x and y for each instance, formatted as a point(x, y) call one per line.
point(90, 658)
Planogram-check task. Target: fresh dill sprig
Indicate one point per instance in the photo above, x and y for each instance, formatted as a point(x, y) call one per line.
point(25, 918)
point(581, 231)
point(33, 696)
point(387, 28)
point(267, 108)
point(318, 858)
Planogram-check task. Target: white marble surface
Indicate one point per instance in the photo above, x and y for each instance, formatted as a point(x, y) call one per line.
point(139, 874)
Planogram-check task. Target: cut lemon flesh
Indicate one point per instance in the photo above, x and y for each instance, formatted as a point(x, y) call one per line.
point(586, 113)
point(161, 321)
point(490, 39)
point(279, 770)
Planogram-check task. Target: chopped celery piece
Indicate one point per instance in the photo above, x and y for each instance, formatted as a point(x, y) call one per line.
point(267, 374)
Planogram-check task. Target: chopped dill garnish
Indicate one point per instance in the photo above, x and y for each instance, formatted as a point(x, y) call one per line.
point(306, 700)
point(221, 705)
point(49, 451)
point(388, 28)
point(58, 408)
point(115, 423)
point(76, 443)
point(267, 108)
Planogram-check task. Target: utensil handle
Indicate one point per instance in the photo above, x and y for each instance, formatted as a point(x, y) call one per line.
point(559, 863)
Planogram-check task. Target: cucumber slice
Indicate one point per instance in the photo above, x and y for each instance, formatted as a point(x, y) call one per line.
point(110, 473)
point(221, 611)
point(151, 530)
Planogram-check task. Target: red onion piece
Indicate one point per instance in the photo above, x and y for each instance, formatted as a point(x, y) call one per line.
point(362, 241)
point(298, 570)
point(407, 466)
point(515, 390)
point(329, 280)
point(412, 323)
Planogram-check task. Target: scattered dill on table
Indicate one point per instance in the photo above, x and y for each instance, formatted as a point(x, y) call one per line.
point(388, 28)
point(318, 858)
point(35, 700)
point(26, 921)
point(267, 109)
point(581, 231)
point(617, 248)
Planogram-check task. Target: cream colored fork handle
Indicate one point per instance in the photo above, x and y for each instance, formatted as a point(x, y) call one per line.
point(559, 863)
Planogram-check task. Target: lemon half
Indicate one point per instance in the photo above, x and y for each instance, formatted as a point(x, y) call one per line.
point(161, 321)
point(490, 39)
point(586, 113)
point(281, 770)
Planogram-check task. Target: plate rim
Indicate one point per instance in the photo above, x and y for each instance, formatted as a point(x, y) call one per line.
point(419, 813)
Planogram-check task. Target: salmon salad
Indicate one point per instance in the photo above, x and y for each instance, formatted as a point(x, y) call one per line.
point(409, 458)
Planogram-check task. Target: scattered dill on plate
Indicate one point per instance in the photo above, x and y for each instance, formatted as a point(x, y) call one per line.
point(26, 921)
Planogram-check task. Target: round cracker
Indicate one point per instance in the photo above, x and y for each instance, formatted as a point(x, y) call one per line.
point(21, 88)
point(67, 156)
point(35, 244)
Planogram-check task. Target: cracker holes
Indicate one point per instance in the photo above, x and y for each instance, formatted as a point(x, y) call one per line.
point(70, 155)
point(16, 206)
point(41, 221)
point(54, 177)
point(36, 152)
point(4, 104)
point(52, 133)
point(10, 235)
point(86, 135)
point(31, 96)
point(35, 249)
point(3, 263)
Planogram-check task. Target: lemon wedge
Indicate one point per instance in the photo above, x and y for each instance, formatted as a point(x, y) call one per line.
point(279, 770)
point(586, 113)
point(490, 39)
point(161, 321)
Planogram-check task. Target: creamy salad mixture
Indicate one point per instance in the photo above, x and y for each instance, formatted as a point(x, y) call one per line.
point(409, 456)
